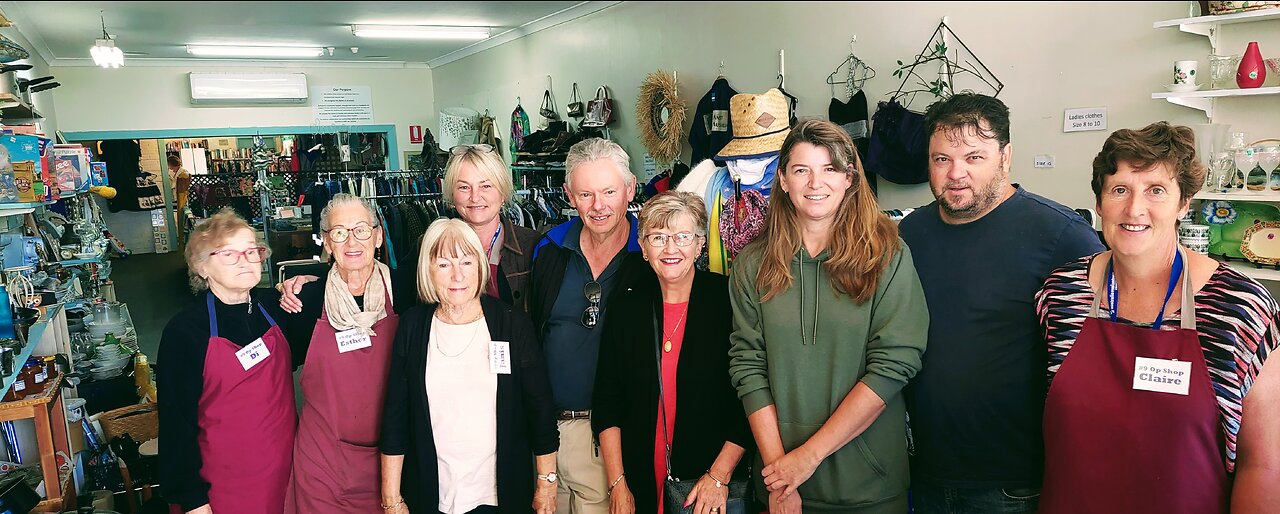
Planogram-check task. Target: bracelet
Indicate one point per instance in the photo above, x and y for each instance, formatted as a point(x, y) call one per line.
point(615, 482)
point(397, 503)
point(719, 483)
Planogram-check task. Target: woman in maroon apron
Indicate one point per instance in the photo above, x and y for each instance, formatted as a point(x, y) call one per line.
point(227, 413)
point(335, 466)
point(1143, 412)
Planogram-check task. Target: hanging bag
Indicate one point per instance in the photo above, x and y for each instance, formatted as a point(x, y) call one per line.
point(599, 109)
point(676, 491)
point(575, 106)
point(548, 109)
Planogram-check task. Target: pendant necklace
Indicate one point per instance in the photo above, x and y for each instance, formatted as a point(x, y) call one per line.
point(666, 340)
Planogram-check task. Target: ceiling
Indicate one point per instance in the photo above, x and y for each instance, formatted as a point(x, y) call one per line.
point(63, 32)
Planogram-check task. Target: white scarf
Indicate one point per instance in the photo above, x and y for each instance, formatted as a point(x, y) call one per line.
point(340, 305)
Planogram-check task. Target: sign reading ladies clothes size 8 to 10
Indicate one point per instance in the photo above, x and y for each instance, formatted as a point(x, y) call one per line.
point(342, 105)
point(1080, 120)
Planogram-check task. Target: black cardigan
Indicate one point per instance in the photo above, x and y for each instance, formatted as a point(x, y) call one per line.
point(708, 411)
point(526, 418)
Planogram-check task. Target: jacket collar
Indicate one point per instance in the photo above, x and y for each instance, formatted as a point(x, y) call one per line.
point(510, 241)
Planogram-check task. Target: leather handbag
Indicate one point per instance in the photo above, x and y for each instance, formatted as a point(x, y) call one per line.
point(676, 491)
point(575, 106)
point(548, 109)
point(599, 109)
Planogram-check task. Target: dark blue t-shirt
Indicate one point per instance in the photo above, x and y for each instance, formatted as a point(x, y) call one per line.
point(977, 403)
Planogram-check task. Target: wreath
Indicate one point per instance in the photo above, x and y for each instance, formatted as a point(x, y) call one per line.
point(661, 114)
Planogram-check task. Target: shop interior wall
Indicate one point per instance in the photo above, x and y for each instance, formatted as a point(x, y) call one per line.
point(44, 101)
point(1050, 56)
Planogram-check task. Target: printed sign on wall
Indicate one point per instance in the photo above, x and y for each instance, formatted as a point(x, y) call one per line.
point(343, 105)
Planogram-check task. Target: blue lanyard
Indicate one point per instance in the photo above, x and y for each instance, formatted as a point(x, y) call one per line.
point(1113, 294)
point(493, 241)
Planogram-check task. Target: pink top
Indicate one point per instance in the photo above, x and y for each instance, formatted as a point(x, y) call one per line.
point(672, 314)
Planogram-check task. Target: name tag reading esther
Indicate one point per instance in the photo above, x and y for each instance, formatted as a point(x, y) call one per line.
point(500, 357)
point(353, 339)
point(1162, 376)
point(252, 354)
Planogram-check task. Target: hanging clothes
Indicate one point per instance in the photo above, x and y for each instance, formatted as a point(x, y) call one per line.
point(853, 116)
point(736, 198)
point(519, 129)
point(712, 128)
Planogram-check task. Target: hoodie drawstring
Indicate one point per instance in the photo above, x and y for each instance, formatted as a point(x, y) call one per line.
point(816, 284)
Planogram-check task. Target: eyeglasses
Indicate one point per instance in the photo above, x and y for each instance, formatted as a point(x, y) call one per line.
point(232, 257)
point(340, 234)
point(682, 239)
point(591, 316)
point(462, 149)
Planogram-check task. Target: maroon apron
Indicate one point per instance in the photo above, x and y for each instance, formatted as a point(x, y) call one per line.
point(336, 466)
point(1112, 448)
point(247, 423)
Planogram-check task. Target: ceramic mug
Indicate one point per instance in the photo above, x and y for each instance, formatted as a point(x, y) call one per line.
point(1200, 248)
point(1184, 72)
point(1193, 231)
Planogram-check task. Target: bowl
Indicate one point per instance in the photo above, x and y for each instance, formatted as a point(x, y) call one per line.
point(1182, 88)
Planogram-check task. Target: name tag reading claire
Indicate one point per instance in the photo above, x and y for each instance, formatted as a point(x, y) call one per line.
point(1162, 376)
point(252, 354)
point(353, 339)
point(500, 357)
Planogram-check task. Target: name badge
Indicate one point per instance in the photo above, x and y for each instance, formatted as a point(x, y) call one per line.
point(353, 339)
point(1162, 376)
point(500, 357)
point(252, 354)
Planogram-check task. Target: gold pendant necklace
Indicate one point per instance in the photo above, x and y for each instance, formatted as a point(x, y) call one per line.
point(666, 340)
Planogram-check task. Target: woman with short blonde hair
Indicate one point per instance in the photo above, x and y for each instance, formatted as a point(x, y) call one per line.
point(468, 438)
point(227, 413)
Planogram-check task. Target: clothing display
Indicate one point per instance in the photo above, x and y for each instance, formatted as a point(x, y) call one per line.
point(712, 128)
point(852, 117)
point(976, 403)
point(737, 198)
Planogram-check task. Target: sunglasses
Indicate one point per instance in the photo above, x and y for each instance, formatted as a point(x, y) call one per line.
point(591, 316)
point(462, 149)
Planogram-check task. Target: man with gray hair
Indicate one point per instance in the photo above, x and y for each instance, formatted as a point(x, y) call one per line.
point(575, 267)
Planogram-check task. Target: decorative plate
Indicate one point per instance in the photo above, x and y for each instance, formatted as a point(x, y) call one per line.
point(1261, 243)
point(1218, 212)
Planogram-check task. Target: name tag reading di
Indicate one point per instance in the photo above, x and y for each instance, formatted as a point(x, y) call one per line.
point(353, 339)
point(500, 357)
point(1162, 376)
point(252, 354)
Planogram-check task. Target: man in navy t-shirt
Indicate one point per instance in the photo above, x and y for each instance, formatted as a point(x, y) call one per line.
point(982, 250)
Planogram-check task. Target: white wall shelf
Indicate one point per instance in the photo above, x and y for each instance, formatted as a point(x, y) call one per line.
point(1203, 100)
point(1249, 270)
point(1208, 26)
point(1241, 196)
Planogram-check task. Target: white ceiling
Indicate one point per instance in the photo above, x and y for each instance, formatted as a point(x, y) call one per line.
point(63, 32)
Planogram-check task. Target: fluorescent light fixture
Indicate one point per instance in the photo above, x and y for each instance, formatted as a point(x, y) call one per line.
point(254, 51)
point(420, 32)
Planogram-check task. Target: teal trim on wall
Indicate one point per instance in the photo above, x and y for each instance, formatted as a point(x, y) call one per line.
point(393, 149)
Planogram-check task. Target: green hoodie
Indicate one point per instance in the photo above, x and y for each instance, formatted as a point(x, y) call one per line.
point(879, 342)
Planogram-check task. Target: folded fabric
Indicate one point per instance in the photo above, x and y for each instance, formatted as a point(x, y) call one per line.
point(899, 146)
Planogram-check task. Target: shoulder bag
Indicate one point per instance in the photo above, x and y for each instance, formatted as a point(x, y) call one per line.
point(575, 105)
point(599, 109)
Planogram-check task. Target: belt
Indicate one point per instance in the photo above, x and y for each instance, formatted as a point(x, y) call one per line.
point(573, 414)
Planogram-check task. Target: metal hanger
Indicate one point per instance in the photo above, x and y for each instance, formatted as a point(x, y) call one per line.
point(859, 72)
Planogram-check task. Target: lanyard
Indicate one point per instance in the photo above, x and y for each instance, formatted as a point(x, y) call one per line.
point(1113, 294)
point(492, 242)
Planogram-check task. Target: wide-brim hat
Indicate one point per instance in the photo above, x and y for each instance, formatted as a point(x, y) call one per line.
point(760, 125)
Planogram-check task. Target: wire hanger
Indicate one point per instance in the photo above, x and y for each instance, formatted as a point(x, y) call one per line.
point(721, 73)
point(859, 72)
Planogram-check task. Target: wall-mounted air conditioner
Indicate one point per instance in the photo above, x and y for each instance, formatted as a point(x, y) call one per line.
point(252, 88)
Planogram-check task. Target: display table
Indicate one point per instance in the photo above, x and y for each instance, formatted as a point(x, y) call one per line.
point(50, 417)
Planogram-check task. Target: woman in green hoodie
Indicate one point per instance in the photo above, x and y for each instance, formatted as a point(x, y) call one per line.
point(830, 323)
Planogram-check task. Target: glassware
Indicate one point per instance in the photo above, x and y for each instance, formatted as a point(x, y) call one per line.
point(1222, 71)
point(1223, 171)
point(1269, 160)
point(1246, 159)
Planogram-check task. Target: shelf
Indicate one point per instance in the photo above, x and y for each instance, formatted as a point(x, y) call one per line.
point(1248, 269)
point(13, 108)
point(33, 340)
point(7, 210)
point(77, 262)
point(1241, 196)
point(57, 504)
point(1203, 100)
point(1208, 26)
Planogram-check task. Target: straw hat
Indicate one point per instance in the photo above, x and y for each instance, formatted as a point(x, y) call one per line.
point(760, 124)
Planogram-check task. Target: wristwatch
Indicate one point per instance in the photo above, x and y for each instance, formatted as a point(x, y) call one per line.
point(549, 477)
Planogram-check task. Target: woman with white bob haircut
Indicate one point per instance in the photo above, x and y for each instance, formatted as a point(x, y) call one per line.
point(460, 440)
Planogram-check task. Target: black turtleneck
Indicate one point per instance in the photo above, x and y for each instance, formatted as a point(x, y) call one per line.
point(180, 382)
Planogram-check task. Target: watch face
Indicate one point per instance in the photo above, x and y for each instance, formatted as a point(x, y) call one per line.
point(551, 477)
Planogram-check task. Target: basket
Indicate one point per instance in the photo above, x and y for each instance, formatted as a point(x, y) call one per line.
point(458, 126)
point(141, 422)
point(1216, 7)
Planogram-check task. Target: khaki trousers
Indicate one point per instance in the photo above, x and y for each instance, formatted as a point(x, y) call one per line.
point(582, 485)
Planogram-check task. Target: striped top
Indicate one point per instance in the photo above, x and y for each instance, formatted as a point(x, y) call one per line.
point(1236, 317)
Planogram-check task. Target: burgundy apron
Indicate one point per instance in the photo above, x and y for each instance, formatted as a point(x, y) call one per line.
point(336, 465)
point(247, 423)
point(1110, 447)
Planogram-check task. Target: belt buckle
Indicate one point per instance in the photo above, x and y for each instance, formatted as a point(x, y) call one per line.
point(567, 415)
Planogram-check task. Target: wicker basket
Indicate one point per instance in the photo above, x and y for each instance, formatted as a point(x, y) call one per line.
point(1216, 7)
point(141, 422)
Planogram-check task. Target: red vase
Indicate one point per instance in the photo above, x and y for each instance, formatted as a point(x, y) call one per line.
point(1252, 71)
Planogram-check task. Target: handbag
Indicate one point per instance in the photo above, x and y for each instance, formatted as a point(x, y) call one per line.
point(599, 109)
point(548, 109)
point(575, 106)
point(676, 491)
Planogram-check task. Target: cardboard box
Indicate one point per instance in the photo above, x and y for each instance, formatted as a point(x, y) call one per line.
point(70, 167)
point(23, 177)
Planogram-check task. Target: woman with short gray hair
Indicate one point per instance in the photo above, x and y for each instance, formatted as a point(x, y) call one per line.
point(354, 324)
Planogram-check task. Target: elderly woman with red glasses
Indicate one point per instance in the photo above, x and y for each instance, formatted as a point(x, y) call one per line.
point(227, 417)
